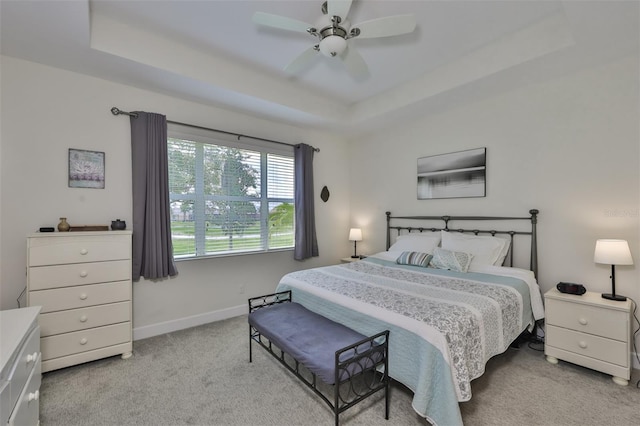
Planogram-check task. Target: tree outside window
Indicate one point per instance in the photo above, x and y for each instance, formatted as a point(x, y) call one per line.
point(228, 200)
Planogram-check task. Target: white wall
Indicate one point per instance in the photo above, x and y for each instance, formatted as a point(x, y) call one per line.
point(46, 111)
point(568, 147)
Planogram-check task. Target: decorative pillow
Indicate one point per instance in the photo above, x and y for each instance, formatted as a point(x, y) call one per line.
point(486, 250)
point(421, 242)
point(415, 258)
point(452, 260)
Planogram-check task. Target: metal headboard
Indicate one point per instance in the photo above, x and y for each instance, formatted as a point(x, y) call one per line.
point(446, 219)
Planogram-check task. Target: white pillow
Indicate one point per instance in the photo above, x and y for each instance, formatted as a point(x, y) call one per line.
point(421, 242)
point(485, 250)
point(503, 253)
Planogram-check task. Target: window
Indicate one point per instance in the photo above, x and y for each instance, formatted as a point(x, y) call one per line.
point(226, 196)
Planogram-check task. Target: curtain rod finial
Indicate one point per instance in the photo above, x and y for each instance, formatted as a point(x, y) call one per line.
point(115, 111)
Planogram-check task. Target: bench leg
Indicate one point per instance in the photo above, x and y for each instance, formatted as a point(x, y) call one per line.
point(386, 400)
point(250, 345)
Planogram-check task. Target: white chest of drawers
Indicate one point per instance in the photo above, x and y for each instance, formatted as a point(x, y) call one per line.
point(82, 280)
point(590, 331)
point(20, 376)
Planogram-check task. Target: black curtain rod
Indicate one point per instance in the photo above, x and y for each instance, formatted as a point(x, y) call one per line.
point(118, 111)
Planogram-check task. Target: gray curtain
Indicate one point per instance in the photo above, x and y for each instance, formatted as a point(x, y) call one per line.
point(152, 248)
point(306, 241)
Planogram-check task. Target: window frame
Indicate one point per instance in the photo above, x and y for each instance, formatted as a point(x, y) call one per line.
point(200, 137)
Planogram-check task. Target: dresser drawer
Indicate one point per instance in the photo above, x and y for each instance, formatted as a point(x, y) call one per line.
point(607, 350)
point(72, 249)
point(81, 296)
point(80, 319)
point(26, 360)
point(86, 340)
point(44, 277)
point(27, 409)
point(588, 319)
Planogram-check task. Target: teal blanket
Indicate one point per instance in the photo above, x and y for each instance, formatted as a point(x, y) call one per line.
point(444, 326)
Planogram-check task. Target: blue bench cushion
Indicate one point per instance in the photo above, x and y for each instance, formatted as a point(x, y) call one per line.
point(309, 338)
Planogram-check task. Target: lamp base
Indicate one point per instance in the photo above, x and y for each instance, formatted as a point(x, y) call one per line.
point(615, 297)
point(355, 257)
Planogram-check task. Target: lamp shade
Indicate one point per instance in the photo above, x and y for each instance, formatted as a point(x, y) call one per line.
point(613, 252)
point(355, 234)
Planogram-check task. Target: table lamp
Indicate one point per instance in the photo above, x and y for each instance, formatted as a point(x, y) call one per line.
point(355, 235)
point(613, 252)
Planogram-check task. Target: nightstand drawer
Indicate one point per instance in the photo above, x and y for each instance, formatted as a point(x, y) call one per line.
point(587, 319)
point(607, 350)
point(85, 340)
point(27, 409)
point(81, 296)
point(26, 361)
point(81, 319)
point(44, 277)
point(78, 249)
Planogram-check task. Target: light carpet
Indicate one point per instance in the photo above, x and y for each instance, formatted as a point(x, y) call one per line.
point(202, 376)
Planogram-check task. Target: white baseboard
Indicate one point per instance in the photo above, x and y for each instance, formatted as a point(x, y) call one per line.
point(207, 317)
point(187, 322)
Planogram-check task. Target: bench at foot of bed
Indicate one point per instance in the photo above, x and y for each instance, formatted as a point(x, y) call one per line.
point(313, 347)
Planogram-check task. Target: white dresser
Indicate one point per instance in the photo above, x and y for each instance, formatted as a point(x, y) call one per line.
point(20, 361)
point(82, 280)
point(590, 331)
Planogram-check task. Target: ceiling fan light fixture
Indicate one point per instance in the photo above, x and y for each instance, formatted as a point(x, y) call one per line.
point(333, 33)
point(333, 45)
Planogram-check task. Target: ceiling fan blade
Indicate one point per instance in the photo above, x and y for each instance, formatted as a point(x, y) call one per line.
point(338, 8)
point(356, 66)
point(282, 22)
point(301, 61)
point(387, 26)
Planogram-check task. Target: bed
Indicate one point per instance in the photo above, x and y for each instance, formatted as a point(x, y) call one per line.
point(450, 296)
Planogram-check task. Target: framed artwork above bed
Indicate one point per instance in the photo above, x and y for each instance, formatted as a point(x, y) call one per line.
point(454, 175)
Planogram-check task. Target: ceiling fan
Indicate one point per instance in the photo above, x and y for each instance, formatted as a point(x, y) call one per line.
point(334, 30)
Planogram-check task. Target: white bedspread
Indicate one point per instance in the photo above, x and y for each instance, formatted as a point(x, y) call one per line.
point(444, 325)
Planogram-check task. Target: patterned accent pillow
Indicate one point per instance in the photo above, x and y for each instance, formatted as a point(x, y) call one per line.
point(452, 260)
point(414, 258)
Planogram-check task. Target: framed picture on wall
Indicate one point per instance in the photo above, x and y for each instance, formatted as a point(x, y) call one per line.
point(455, 175)
point(86, 169)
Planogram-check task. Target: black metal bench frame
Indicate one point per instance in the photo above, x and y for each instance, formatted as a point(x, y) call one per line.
point(376, 357)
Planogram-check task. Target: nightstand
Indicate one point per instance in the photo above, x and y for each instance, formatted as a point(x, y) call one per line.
point(349, 259)
point(589, 331)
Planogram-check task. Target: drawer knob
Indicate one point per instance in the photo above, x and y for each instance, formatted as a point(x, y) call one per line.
point(582, 344)
point(583, 321)
point(83, 296)
point(33, 396)
point(32, 357)
point(84, 251)
point(84, 274)
point(83, 341)
point(83, 318)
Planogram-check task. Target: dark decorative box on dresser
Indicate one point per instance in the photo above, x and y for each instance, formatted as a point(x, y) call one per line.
point(82, 280)
point(589, 331)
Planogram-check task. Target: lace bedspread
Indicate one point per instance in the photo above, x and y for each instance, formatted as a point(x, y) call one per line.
point(461, 320)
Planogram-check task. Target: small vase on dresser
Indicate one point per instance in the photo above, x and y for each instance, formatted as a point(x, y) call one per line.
point(82, 280)
point(63, 226)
